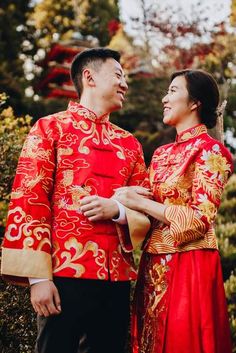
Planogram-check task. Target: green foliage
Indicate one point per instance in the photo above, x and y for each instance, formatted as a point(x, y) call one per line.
point(230, 115)
point(226, 234)
point(17, 320)
point(96, 17)
point(54, 21)
point(61, 20)
point(14, 31)
point(230, 289)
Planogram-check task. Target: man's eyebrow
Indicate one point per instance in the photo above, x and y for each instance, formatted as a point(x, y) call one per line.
point(173, 86)
point(120, 72)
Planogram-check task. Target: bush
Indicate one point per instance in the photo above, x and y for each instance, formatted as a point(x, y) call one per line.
point(17, 320)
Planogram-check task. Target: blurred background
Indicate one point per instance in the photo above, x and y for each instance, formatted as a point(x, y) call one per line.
point(38, 40)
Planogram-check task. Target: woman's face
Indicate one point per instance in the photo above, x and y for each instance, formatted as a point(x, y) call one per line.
point(177, 106)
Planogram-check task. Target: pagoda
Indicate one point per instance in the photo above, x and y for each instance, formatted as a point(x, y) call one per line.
point(55, 81)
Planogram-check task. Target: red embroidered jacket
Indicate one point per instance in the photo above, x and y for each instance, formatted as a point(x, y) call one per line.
point(189, 176)
point(65, 157)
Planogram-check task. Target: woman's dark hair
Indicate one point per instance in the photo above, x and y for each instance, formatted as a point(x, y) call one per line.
point(202, 88)
point(89, 58)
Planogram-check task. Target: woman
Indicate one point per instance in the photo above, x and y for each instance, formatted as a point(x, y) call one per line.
point(179, 304)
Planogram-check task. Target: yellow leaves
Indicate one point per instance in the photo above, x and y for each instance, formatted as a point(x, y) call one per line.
point(50, 17)
point(121, 42)
point(12, 127)
point(8, 122)
point(233, 13)
point(66, 21)
point(48, 11)
point(211, 58)
point(68, 35)
point(222, 55)
point(3, 98)
point(7, 113)
point(11, 7)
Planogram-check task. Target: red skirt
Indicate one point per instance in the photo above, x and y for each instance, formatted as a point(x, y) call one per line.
point(179, 304)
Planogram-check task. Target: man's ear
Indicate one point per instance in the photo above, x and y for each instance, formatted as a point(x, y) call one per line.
point(87, 77)
point(195, 105)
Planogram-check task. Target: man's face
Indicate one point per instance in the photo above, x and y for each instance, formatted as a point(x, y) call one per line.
point(110, 85)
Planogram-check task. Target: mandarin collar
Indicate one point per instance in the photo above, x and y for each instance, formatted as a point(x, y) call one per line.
point(191, 133)
point(79, 109)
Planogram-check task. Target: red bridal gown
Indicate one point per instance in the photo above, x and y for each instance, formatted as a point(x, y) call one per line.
point(179, 303)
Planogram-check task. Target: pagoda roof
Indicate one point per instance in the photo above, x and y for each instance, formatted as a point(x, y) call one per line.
point(55, 74)
point(62, 51)
point(59, 92)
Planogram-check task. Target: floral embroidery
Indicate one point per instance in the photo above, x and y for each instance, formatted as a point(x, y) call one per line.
point(155, 303)
point(188, 176)
point(215, 163)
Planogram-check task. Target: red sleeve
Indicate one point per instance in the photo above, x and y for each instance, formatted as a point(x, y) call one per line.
point(213, 166)
point(26, 248)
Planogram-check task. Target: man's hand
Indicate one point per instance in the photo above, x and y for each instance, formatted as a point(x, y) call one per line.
point(45, 298)
point(98, 208)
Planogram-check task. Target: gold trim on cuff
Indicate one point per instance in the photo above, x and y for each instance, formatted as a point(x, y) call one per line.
point(25, 263)
point(138, 226)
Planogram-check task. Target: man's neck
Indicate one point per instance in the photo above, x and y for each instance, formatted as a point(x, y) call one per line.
point(93, 105)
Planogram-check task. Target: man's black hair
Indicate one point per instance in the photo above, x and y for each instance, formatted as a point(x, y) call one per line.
point(94, 57)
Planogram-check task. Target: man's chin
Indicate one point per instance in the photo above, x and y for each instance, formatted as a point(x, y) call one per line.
point(117, 107)
point(167, 120)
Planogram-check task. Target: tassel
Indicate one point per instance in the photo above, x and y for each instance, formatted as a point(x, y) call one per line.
point(220, 121)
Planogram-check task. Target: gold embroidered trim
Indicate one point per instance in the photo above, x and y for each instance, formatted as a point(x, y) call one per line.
point(26, 263)
point(190, 133)
point(86, 113)
point(138, 226)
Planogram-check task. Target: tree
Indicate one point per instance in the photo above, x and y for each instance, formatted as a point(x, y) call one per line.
point(173, 37)
point(98, 18)
point(53, 21)
point(58, 21)
point(226, 233)
point(13, 42)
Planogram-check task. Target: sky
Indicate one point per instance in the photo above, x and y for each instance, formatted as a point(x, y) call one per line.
point(217, 9)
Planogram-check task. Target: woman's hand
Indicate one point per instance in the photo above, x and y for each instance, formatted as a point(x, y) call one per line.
point(140, 199)
point(132, 196)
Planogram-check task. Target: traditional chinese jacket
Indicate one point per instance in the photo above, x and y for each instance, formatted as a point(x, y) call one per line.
point(65, 157)
point(189, 176)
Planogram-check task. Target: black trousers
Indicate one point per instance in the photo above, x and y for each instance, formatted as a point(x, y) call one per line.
point(94, 318)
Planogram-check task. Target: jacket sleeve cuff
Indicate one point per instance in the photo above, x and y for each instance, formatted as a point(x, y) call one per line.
point(133, 234)
point(37, 280)
point(122, 214)
point(185, 224)
point(18, 265)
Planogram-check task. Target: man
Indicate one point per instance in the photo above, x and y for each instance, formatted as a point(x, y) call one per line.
point(61, 234)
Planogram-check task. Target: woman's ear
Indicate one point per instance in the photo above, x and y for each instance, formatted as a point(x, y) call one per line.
point(195, 105)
